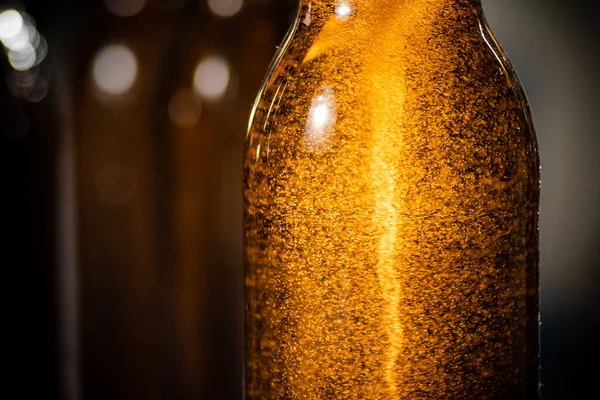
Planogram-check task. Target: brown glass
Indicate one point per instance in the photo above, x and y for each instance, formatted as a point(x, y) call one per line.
point(391, 210)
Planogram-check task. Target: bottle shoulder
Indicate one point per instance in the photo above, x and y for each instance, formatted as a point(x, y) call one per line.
point(391, 79)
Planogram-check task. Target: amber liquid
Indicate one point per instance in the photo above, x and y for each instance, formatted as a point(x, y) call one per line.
point(391, 203)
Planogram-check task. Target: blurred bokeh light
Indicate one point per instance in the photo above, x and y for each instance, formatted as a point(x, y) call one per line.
point(225, 8)
point(25, 47)
point(11, 23)
point(125, 8)
point(115, 69)
point(211, 78)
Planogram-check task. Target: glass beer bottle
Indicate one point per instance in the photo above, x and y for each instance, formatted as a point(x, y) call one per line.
point(391, 210)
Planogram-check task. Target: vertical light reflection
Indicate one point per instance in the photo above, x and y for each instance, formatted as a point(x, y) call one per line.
point(257, 152)
point(386, 148)
point(320, 124)
point(386, 217)
point(67, 253)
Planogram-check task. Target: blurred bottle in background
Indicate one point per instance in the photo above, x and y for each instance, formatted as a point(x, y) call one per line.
point(150, 101)
point(157, 113)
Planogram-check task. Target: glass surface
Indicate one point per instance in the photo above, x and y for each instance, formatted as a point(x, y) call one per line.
point(391, 210)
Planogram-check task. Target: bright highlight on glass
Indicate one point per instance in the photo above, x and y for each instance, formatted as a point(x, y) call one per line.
point(343, 10)
point(211, 78)
point(125, 8)
point(225, 8)
point(321, 121)
point(115, 69)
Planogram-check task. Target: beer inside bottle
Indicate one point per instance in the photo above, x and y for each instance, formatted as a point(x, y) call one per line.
point(391, 210)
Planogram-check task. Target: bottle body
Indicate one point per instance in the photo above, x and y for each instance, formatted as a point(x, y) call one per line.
point(391, 199)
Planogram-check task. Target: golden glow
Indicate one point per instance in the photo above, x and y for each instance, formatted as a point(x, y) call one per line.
point(225, 8)
point(391, 188)
point(114, 69)
point(211, 78)
point(125, 8)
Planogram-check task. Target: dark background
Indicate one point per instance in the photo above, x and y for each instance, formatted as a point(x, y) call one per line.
point(120, 219)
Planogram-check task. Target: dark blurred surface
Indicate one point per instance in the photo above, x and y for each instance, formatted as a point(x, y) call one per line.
point(122, 191)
